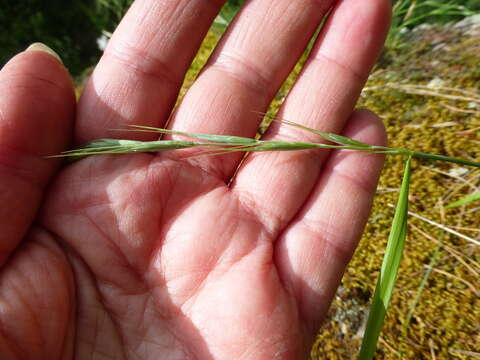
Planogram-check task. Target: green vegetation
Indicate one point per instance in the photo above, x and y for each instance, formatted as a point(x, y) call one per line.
point(408, 14)
point(72, 32)
point(466, 200)
point(228, 12)
point(389, 271)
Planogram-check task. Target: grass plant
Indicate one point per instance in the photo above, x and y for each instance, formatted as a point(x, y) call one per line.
point(220, 144)
point(389, 271)
point(466, 200)
point(408, 14)
point(228, 143)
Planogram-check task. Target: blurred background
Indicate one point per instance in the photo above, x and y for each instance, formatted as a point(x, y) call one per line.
point(77, 29)
point(73, 28)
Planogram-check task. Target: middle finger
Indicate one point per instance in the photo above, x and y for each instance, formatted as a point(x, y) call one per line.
point(247, 68)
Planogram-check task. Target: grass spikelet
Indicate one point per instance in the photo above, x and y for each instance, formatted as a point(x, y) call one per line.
point(114, 146)
point(226, 139)
point(335, 138)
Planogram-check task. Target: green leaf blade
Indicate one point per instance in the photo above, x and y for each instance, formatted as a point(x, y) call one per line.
point(389, 271)
point(466, 200)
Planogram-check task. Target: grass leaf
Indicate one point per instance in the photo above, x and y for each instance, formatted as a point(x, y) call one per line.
point(388, 272)
point(466, 200)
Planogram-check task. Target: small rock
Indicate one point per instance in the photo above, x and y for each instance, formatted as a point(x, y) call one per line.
point(458, 171)
point(439, 46)
point(436, 83)
point(424, 27)
point(473, 31)
point(473, 105)
point(468, 21)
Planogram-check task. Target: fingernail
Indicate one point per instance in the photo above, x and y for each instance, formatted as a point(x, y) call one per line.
point(44, 48)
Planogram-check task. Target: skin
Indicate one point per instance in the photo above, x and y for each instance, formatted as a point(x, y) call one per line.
point(174, 256)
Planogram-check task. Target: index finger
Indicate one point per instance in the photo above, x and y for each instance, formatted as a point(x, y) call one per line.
point(138, 78)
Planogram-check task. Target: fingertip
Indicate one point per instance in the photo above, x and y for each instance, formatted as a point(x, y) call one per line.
point(39, 61)
point(38, 103)
point(38, 46)
point(366, 126)
point(355, 33)
point(360, 168)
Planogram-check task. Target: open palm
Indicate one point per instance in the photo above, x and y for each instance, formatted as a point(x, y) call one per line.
point(177, 256)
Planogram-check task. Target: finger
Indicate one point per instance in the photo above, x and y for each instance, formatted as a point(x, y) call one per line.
point(275, 185)
point(139, 76)
point(246, 70)
point(313, 251)
point(37, 109)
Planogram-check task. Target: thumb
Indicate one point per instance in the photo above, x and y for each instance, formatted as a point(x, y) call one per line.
point(37, 108)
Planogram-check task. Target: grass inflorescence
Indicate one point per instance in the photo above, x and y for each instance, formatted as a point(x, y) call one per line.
point(229, 143)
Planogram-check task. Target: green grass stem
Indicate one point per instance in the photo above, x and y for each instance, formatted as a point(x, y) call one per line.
point(422, 155)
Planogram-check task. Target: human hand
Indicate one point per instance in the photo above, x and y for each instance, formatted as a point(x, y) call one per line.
point(161, 256)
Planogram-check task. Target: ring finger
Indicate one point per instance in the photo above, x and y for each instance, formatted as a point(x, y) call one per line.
point(138, 78)
point(246, 70)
